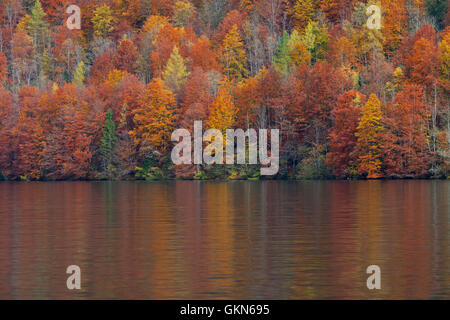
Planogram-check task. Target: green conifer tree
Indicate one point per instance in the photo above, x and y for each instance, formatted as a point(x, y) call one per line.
point(37, 25)
point(107, 143)
point(282, 60)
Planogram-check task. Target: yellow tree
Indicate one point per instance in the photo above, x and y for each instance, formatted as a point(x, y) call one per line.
point(223, 112)
point(222, 116)
point(103, 21)
point(154, 24)
point(115, 76)
point(182, 13)
point(445, 56)
point(175, 75)
point(297, 51)
point(234, 58)
point(369, 134)
point(302, 12)
point(155, 119)
point(315, 38)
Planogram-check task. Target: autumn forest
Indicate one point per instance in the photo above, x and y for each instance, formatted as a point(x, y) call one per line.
point(101, 102)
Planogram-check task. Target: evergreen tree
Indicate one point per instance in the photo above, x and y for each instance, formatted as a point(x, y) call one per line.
point(37, 25)
point(437, 9)
point(282, 60)
point(107, 143)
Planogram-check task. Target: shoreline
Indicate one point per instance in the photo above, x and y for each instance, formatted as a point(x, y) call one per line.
point(226, 180)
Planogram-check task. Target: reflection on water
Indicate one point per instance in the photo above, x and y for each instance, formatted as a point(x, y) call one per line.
point(234, 240)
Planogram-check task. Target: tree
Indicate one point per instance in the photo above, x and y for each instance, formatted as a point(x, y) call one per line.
point(167, 38)
point(6, 107)
point(3, 68)
point(445, 56)
point(343, 53)
point(369, 134)
point(234, 17)
point(203, 56)
point(423, 68)
point(368, 42)
point(101, 68)
point(405, 143)
point(55, 10)
point(272, 15)
point(342, 156)
point(287, 64)
point(297, 51)
point(23, 65)
point(223, 112)
point(437, 9)
point(311, 97)
point(282, 60)
point(197, 98)
point(234, 58)
point(175, 75)
point(155, 119)
point(107, 143)
point(67, 53)
point(303, 12)
point(315, 39)
point(423, 63)
point(182, 13)
point(70, 144)
point(136, 11)
point(78, 77)
point(6, 148)
point(394, 24)
point(126, 56)
point(103, 21)
point(154, 24)
point(27, 137)
point(333, 9)
point(37, 25)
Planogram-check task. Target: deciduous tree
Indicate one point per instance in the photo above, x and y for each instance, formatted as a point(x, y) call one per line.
point(155, 119)
point(369, 143)
point(234, 58)
point(342, 156)
point(175, 75)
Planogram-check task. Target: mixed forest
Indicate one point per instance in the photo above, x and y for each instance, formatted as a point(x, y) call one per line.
point(102, 102)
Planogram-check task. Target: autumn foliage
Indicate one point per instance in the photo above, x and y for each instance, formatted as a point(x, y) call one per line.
point(103, 101)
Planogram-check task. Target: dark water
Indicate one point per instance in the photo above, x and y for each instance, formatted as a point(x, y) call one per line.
point(240, 240)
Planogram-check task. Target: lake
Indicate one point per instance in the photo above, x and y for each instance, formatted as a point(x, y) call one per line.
point(225, 240)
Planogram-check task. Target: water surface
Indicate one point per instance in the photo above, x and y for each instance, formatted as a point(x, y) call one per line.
point(225, 240)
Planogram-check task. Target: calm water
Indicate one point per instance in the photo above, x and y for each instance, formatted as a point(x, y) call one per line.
point(235, 240)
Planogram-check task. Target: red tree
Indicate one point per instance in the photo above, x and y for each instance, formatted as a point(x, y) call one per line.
point(126, 56)
point(342, 140)
point(406, 151)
